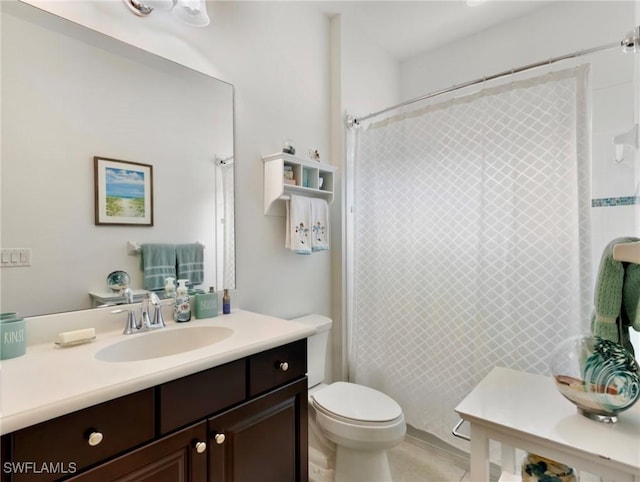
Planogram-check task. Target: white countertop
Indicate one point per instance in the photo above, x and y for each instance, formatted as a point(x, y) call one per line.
point(529, 405)
point(49, 381)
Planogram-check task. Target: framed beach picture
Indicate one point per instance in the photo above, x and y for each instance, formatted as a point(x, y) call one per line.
point(123, 192)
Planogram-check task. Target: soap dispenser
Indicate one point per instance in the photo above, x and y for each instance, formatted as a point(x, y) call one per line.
point(169, 287)
point(182, 310)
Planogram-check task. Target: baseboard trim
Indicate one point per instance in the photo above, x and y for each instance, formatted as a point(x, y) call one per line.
point(439, 448)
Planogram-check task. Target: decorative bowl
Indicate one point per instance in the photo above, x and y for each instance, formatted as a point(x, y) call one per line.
point(599, 376)
point(118, 280)
point(539, 469)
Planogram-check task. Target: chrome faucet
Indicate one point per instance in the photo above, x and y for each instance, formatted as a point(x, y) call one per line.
point(133, 326)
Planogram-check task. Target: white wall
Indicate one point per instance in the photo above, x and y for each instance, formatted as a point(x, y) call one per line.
point(365, 78)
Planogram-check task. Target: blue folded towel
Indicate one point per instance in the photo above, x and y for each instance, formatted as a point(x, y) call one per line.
point(190, 259)
point(157, 262)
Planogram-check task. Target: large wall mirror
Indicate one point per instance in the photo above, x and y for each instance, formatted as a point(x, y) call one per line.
point(70, 94)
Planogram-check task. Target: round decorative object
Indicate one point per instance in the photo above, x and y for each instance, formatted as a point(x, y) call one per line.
point(118, 280)
point(599, 376)
point(540, 469)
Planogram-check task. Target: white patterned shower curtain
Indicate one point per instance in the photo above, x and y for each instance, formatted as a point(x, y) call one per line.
point(470, 241)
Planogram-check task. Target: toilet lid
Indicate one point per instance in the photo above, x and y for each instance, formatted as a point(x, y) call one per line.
point(357, 402)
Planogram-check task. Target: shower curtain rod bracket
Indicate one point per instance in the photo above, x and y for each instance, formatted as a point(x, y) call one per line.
point(351, 121)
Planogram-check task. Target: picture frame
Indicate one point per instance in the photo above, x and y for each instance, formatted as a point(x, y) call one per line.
point(123, 192)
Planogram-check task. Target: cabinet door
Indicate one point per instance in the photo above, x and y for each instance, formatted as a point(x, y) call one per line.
point(262, 440)
point(181, 457)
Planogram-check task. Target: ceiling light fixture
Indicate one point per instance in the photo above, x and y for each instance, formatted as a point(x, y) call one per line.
point(191, 12)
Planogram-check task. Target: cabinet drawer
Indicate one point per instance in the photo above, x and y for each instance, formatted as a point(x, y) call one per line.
point(277, 366)
point(188, 399)
point(62, 445)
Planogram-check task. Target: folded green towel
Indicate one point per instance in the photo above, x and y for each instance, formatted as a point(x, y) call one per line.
point(190, 258)
point(157, 262)
point(617, 297)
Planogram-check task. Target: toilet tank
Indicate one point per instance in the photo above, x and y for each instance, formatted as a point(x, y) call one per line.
point(316, 347)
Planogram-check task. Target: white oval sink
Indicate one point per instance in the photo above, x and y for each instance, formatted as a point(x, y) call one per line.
point(155, 344)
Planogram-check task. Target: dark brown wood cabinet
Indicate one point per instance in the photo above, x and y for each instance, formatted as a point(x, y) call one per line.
point(262, 440)
point(172, 432)
point(181, 457)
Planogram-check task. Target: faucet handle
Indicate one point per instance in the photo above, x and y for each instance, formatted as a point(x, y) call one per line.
point(132, 325)
point(145, 321)
point(158, 321)
point(128, 294)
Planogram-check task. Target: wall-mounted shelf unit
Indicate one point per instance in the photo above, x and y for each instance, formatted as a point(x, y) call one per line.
point(308, 178)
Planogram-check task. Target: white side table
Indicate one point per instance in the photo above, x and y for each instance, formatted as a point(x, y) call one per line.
point(526, 411)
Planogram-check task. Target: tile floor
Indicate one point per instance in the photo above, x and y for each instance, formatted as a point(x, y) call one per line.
point(413, 461)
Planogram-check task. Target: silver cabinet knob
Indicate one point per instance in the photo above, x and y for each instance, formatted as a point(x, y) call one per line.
point(200, 446)
point(219, 438)
point(95, 438)
point(284, 366)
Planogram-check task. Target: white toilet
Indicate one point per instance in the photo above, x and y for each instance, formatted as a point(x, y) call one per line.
point(351, 426)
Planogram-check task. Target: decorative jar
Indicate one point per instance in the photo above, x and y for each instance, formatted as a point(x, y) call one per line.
point(599, 376)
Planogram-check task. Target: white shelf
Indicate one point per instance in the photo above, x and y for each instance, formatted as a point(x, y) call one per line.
point(509, 477)
point(312, 179)
point(99, 298)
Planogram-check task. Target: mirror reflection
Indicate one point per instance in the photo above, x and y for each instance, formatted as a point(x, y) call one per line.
point(70, 94)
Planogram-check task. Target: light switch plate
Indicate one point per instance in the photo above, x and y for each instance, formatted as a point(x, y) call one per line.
point(15, 257)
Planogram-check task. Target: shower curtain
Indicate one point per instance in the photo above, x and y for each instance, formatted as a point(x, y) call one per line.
point(470, 241)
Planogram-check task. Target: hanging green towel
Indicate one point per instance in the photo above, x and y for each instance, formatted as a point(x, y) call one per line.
point(157, 262)
point(617, 297)
point(190, 259)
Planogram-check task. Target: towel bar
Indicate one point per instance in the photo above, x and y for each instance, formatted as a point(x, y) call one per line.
point(628, 252)
point(133, 248)
point(455, 432)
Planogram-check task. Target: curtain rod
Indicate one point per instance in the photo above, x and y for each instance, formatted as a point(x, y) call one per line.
point(353, 121)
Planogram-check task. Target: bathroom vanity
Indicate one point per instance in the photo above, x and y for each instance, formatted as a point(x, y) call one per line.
point(232, 411)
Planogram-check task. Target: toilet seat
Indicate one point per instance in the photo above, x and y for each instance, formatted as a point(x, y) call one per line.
point(358, 417)
point(356, 403)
